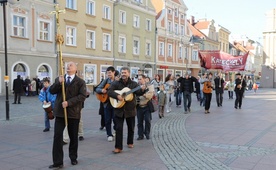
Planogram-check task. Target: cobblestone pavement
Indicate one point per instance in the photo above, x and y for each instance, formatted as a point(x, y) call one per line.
point(227, 138)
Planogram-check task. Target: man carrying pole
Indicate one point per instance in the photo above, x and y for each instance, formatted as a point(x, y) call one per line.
point(68, 106)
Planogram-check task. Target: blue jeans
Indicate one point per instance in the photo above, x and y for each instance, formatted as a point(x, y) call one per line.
point(143, 113)
point(178, 97)
point(109, 117)
point(46, 121)
point(203, 98)
point(187, 98)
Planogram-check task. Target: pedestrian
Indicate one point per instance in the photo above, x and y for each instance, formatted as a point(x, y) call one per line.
point(128, 109)
point(102, 90)
point(33, 87)
point(101, 112)
point(47, 99)
point(17, 89)
point(231, 87)
point(75, 92)
point(197, 89)
point(186, 87)
point(239, 90)
point(143, 111)
point(207, 90)
point(170, 85)
point(156, 82)
point(27, 84)
point(255, 87)
point(161, 100)
point(38, 85)
point(178, 92)
point(202, 96)
point(219, 89)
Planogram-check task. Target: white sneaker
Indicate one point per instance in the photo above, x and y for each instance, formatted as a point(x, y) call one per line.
point(110, 138)
point(170, 109)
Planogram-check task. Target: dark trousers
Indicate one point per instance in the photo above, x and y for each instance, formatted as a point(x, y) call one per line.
point(219, 97)
point(187, 98)
point(119, 121)
point(143, 114)
point(238, 101)
point(178, 97)
point(17, 96)
point(208, 98)
point(73, 128)
point(101, 112)
point(109, 116)
point(230, 94)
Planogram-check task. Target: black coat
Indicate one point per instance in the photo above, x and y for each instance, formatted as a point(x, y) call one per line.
point(219, 89)
point(18, 85)
point(187, 83)
point(129, 108)
point(242, 82)
point(75, 96)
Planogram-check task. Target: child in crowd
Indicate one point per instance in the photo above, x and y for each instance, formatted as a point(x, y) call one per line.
point(161, 100)
point(255, 87)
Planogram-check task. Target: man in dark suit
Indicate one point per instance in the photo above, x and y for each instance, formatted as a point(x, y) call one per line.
point(219, 88)
point(17, 89)
point(240, 85)
point(75, 92)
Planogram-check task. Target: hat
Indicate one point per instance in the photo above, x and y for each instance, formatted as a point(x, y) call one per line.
point(238, 74)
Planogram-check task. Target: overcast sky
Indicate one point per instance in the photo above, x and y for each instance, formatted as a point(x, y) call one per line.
point(242, 17)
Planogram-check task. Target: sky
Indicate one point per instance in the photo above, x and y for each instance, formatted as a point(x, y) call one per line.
point(240, 17)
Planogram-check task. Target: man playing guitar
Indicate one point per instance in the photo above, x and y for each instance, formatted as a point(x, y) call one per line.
point(102, 90)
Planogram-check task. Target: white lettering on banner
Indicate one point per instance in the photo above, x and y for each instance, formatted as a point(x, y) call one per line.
point(228, 62)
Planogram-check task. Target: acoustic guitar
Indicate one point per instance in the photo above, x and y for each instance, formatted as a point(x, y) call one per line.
point(126, 93)
point(103, 96)
point(208, 87)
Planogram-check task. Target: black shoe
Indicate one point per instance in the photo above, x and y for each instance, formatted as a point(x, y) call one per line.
point(74, 162)
point(81, 138)
point(55, 166)
point(140, 138)
point(13, 103)
point(147, 137)
point(236, 107)
point(101, 128)
point(46, 130)
point(19, 103)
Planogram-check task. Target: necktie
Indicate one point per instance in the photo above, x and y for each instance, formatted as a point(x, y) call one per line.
point(68, 80)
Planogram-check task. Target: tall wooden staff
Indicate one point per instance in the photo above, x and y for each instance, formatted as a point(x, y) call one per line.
point(60, 41)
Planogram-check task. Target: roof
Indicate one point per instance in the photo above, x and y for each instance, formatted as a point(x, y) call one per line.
point(202, 24)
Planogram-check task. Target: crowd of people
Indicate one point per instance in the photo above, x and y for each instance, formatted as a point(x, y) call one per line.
point(121, 99)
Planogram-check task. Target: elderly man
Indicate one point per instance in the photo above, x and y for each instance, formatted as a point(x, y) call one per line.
point(75, 91)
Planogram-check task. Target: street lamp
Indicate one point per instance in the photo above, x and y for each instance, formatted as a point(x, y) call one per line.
point(6, 79)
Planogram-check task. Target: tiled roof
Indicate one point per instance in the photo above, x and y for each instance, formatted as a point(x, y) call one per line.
point(202, 24)
point(195, 31)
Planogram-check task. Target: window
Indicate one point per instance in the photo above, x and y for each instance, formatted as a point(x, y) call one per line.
point(71, 4)
point(182, 30)
point(71, 33)
point(180, 52)
point(106, 12)
point(122, 44)
point(136, 21)
point(195, 55)
point(176, 12)
point(90, 9)
point(169, 26)
point(170, 50)
point(148, 48)
point(106, 42)
point(44, 31)
point(176, 29)
point(161, 48)
point(139, 1)
point(169, 11)
point(182, 16)
point(19, 26)
point(90, 39)
point(136, 47)
point(122, 17)
point(148, 24)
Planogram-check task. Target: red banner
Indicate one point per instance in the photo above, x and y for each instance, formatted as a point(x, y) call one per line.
point(215, 59)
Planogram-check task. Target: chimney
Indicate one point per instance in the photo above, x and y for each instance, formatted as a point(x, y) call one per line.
point(192, 20)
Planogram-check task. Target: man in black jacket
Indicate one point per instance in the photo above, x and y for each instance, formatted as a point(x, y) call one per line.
point(240, 85)
point(75, 91)
point(17, 89)
point(127, 111)
point(186, 87)
point(219, 88)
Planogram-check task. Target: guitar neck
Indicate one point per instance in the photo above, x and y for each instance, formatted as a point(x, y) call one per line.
point(133, 90)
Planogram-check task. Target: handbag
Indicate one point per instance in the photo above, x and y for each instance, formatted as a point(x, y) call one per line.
point(153, 104)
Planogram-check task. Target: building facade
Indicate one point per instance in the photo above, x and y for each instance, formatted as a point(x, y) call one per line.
point(30, 39)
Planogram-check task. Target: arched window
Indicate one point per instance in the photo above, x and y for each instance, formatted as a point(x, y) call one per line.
point(19, 68)
point(43, 71)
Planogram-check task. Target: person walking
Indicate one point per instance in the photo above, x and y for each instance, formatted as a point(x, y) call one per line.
point(47, 99)
point(239, 90)
point(17, 89)
point(161, 100)
point(231, 87)
point(143, 111)
point(178, 92)
point(170, 85)
point(33, 87)
point(186, 87)
point(108, 109)
point(255, 87)
point(207, 90)
point(128, 109)
point(219, 88)
point(75, 90)
point(202, 96)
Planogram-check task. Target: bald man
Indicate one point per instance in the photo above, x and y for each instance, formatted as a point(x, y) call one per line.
point(75, 91)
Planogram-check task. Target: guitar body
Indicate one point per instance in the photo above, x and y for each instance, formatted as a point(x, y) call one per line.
point(103, 96)
point(118, 104)
point(207, 88)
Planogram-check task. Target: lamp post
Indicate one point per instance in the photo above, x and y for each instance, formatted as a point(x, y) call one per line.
point(6, 79)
